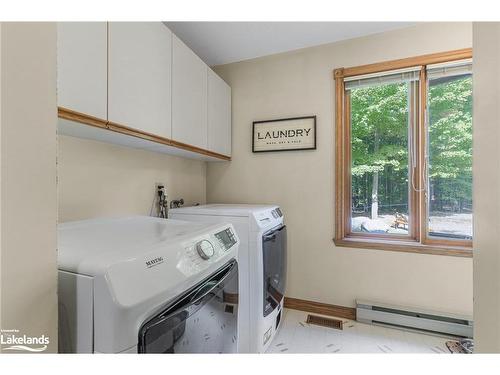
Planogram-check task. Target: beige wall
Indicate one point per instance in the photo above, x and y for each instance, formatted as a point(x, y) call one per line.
point(487, 186)
point(99, 179)
point(301, 83)
point(0, 179)
point(28, 179)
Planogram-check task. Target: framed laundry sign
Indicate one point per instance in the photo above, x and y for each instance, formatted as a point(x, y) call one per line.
point(288, 134)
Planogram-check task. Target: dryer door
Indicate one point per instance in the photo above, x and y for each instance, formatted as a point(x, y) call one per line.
point(274, 258)
point(204, 320)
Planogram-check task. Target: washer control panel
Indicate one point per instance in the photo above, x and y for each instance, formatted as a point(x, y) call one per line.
point(205, 249)
point(226, 238)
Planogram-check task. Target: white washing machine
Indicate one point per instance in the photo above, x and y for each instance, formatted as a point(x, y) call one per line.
point(147, 285)
point(262, 266)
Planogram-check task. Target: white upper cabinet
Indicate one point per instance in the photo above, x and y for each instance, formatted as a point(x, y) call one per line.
point(82, 67)
point(189, 96)
point(141, 76)
point(139, 82)
point(219, 114)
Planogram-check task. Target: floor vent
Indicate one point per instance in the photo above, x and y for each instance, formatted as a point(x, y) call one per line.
point(413, 319)
point(324, 322)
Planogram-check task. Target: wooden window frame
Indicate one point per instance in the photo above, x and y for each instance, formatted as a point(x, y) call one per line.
point(417, 241)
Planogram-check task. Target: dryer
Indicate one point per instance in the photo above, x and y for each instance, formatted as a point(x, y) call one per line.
point(147, 285)
point(262, 266)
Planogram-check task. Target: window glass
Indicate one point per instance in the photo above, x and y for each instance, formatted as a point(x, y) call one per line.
point(379, 117)
point(449, 191)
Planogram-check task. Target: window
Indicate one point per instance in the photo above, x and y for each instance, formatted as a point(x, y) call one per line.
point(404, 155)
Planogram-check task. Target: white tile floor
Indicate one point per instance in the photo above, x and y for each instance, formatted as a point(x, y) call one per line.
point(296, 336)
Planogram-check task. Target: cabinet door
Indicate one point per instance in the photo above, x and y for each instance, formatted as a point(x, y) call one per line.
point(82, 67)
point(189, 96)
point(219, 114)
point(140, 76)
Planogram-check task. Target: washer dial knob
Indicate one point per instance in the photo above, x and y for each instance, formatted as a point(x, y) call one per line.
point(205, 249)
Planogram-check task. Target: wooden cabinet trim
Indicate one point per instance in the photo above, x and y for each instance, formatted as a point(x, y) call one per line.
point(82, 118)
point(85, 119)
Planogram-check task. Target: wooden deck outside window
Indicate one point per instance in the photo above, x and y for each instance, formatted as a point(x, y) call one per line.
point(413, 233)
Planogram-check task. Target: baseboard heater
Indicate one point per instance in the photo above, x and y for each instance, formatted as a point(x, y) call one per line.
point(413, 319)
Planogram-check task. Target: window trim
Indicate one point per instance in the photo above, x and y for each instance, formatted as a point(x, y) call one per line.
point(418, 240)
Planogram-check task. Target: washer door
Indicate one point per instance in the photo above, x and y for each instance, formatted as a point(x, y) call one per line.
point(204, 320)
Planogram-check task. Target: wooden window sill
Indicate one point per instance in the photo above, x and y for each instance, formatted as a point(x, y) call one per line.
point(403, 246)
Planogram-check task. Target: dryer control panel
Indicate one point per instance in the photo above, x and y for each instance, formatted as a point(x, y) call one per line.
point(268, 218)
